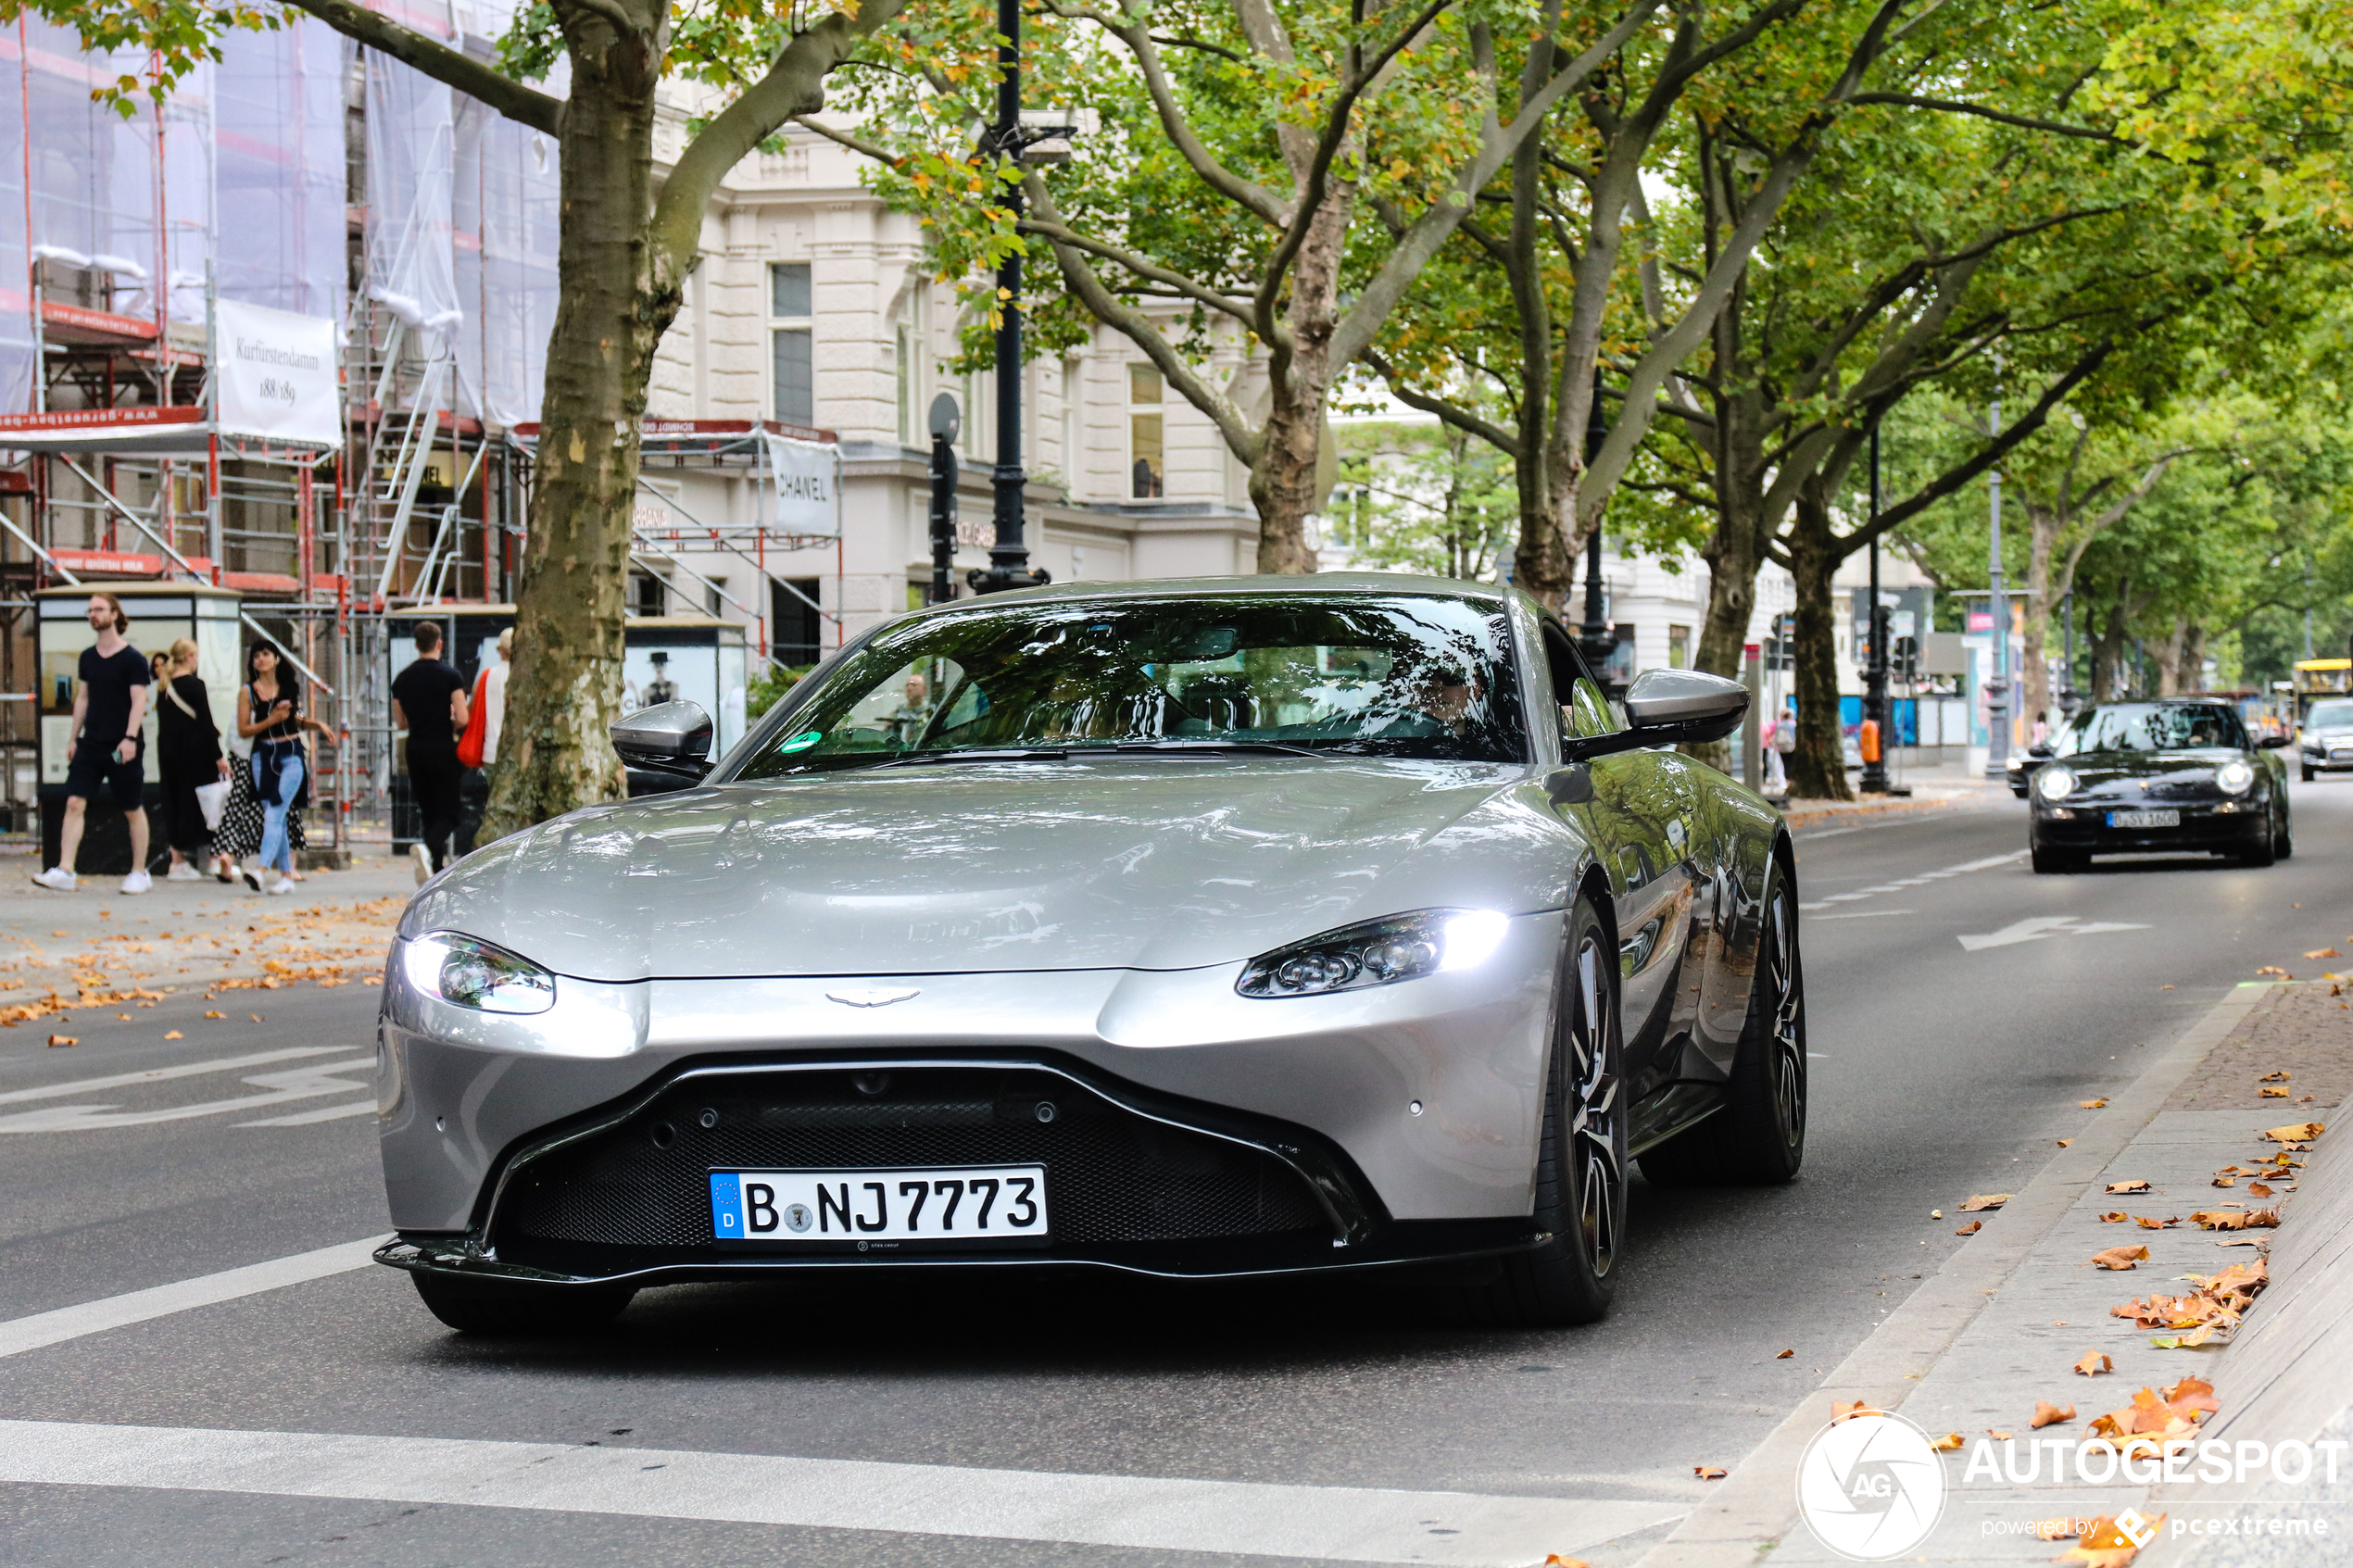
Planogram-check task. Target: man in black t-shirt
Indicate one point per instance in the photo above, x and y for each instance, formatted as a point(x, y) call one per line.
point(106, 748)
point(429, 701)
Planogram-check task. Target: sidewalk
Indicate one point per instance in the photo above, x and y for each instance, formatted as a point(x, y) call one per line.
point(97, 948)
point(1952, 786)
point(1998, 1337)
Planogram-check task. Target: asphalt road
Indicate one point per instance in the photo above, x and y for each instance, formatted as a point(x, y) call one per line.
point(1941, 1067)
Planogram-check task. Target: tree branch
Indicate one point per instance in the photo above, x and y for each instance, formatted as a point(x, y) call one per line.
point(1143, 266)
point(1451, 413)
point(524, 106)
point(1246, 193)
point(2024, 122)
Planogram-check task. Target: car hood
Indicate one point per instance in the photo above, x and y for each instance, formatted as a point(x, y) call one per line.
point(2182, 774)
point(1155, 864)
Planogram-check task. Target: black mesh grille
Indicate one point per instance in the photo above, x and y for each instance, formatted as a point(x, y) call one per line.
point(1110, 1175)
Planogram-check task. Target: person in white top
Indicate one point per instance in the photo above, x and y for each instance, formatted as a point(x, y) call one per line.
point(490, 694)
point(494, 697)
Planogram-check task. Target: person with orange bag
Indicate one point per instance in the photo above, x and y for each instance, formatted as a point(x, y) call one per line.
point(478, 748)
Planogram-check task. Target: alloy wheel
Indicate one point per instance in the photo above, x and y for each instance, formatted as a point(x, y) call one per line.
point(1786, 1041)
point(1596, 1137)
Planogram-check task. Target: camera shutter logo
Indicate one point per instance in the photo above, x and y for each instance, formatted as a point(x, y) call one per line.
point(1870, 1486)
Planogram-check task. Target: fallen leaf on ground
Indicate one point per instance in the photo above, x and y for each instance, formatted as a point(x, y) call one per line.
point(2064, 1142)
point(2273, 1094)
point(1971, 1228)
point(1979, 1202)
point(2115, 1217)
point(2226, 1181)
point(2094, 1363)
point(1849, 1410)
point(1998, 1434)
point(1947, 1443)
point(2128, 1187)
point(255, 1016)
point(2225, 1220)
point(1557, 1560)
point(1784, 1355)
point(2092, 1104)
point(2257, 1190)
point(2305, 1100)
point(2299, 1132)
point(1936, 1213)
point(2245, 1241)
point(216, 1015)
point(2274, 969)
point(2049, 1414)
point(2148, 1224)
point(2274, 1078)
point(2325, 953)
point(1709, 1471)
point(2121, 1258)
point(63, 1040)
point(175, 1035)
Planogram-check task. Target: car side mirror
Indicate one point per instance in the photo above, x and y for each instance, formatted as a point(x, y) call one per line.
point(2273, 743)
point(670, 737)
point(1670, 707)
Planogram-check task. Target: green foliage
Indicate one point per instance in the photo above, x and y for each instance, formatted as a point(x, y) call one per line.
point(1422, 497)
point(767, 688)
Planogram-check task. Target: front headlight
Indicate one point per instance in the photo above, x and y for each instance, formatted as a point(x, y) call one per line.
point(470, 973)
point(1377, 952)
point(2235, 777)
point(2056, 781)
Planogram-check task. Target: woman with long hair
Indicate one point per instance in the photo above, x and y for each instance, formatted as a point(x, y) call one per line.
point(188, 752)
point(269, 714)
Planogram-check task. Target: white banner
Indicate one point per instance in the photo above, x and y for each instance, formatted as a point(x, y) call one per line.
point(806, 476)
point(276, 375)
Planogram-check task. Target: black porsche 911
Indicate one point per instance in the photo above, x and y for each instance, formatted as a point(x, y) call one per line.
point(2142, 777)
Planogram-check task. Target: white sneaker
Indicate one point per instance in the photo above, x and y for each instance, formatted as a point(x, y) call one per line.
point(58, 878)
point(138, 882)
point(424, 858)
point(253, 879)
point(183, 871)
point(285, 884)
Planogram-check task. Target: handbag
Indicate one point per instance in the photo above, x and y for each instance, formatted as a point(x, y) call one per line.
point(212, 799)
point(470, 745)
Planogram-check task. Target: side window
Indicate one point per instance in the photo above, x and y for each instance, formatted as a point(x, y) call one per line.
point(1584, 711)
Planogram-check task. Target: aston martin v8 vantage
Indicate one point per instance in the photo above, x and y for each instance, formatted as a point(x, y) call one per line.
point(1189, 928)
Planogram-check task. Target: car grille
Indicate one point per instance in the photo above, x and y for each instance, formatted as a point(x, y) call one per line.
point(1112, 1175)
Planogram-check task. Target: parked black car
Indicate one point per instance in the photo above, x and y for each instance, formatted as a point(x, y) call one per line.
point(2126, 777)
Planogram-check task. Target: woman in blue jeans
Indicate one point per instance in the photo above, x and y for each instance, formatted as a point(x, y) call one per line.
point(269, 714)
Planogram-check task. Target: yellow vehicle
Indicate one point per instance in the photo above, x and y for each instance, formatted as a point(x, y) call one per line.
point(2323, 716)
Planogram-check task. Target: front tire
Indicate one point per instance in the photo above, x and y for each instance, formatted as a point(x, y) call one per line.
point(1758, 1139)
point(2307, 773)
point(503, 1309)
point(2284, 842)
point(1581, 1162)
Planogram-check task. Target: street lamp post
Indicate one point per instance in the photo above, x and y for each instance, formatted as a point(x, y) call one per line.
point(1009, 555)
point(1874, 779)
point(1997, 690)
point(1600, 646)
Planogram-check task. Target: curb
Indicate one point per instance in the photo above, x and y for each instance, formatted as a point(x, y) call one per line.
point(1757, 1505)
point(1812, 813)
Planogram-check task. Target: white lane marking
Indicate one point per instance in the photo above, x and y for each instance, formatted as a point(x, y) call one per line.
point(1924, 878)
point(305, 1118)
point(158, 1074)
point(1826, 833)
point(1844, 897)
point(115, 1312)
point(1867, 914)
point(308, 1082)
point(1333, 1523)
point(2039, 926)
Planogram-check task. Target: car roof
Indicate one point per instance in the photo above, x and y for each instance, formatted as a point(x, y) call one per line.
point(1388, 584)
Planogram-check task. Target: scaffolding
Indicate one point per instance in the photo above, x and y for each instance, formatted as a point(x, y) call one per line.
point(300, 175)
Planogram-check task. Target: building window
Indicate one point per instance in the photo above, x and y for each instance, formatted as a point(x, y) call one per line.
point(1679, 647)
point(1146, 453)
point(796, 629)
point(788, 337)
point(905, 364)
point(647, 598)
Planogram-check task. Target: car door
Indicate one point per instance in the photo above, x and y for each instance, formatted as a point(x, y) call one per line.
point(1639, 819)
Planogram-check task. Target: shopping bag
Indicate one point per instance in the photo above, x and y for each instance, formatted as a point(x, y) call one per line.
point(212, 799)
point(471, 744)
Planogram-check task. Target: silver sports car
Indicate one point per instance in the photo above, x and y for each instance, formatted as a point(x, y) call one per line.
point(1189, 928)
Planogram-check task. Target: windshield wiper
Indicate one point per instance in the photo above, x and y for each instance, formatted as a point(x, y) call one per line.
point(1181, 747)
point(1014, 753)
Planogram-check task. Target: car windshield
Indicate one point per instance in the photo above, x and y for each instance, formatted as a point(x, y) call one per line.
point(1409, 676)
point(2330, 716)
point(2151, 726)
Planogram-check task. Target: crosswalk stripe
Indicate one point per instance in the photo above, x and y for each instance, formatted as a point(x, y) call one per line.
point(20, 1335)
point(1330, 1524)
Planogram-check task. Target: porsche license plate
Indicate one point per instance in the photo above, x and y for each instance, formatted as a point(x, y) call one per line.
point(2145, 818)
point(961, 1204)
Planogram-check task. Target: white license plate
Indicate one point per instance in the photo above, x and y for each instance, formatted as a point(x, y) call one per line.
point(973, 1203)
point(2145, 818)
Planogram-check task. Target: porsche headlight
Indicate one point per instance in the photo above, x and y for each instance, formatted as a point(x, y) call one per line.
point(470, 973)
point(2235, 777)
point(2056, 781)
point(1377, 952)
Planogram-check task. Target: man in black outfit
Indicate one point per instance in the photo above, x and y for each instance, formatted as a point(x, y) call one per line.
point(105, 748)
point(429, 701)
